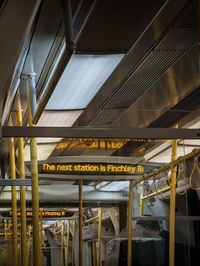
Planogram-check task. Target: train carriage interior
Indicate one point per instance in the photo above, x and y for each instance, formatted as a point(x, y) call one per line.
point(100, 132)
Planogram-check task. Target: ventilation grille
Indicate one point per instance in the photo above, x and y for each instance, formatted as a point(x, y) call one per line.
point(174, 44)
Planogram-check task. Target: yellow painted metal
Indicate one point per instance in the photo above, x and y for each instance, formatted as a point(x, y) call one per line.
point(67, 243)
point(91, 219)
point(130, 207)
point(80, 222)
point(22, 188)
point(14, 201)
point(99, 236)
point(73, 242)
point(141, 204)
point(62, 244)
point(28, 244)
point(41, 228)
point(172, 204)
point(37, 248)
point(160, 191)
point(6, 236)
point(168, 166)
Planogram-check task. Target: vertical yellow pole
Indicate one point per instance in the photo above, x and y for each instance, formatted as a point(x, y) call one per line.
point(37, 248)
point(62, 244)
point(6, 235)
point(80, 222)
point(172, 205)
point(130, 207)
point(41, 230)
point(67, 243)
point(141, 203)
point(99, 236)
point(28, 244)
point(14, 202)
point(22, 188)
point(73, 242)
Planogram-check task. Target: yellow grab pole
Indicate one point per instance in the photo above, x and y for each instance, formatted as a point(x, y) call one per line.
point(158, 192)
point(91, 219)
point(6, 235)
point(80, 222)
point(67, 243)
point(168, 166)
point(28, 244)
point(141, 204)
point(14, 201)
point(130, 207)
point(41, 229)
point(99, 236)
point(22, 188)
point(73, 242)
point(37, 248)
point(62, 244)
point(172, 205)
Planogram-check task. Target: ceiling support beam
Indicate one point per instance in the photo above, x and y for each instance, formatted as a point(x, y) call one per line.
point(84, 132)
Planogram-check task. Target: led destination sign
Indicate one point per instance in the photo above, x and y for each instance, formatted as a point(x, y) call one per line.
point(44, 214)
point(92, 143)
point(95, 168)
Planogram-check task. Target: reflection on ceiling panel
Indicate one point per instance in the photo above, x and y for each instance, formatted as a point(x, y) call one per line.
point(113, 186)
point(43, 151)
point(165, 156)
point(81, 80)
point(58, 118)
point(195, 125)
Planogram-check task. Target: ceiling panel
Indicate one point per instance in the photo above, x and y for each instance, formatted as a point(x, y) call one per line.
point(156, 50)
point(81, 80)
point(58, 118)
point(165, 156)
point(43, 151)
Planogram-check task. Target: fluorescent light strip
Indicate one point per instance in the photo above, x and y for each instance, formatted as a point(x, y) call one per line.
point(81, 80)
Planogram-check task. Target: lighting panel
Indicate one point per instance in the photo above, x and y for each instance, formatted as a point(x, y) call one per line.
point(81, 80)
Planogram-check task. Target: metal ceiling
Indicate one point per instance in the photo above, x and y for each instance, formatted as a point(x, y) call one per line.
point(163, 53)
point(160, 43)
point(161, 70)
point(185, 106)
point(161, 62)
point(122, 24)
point(176, 83)
point(14, 41)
